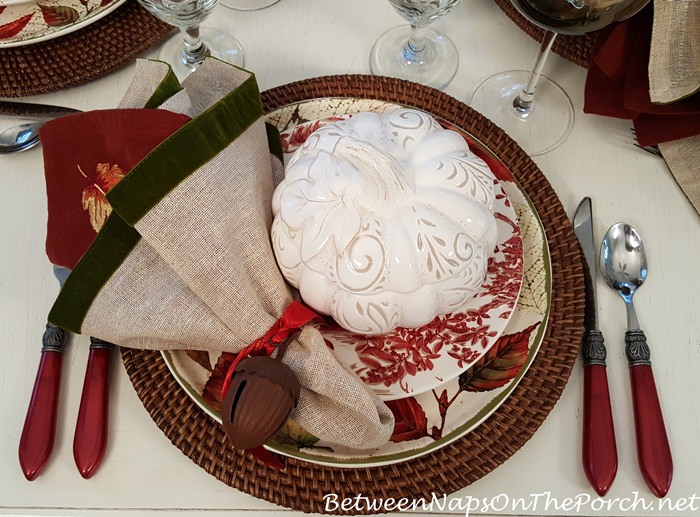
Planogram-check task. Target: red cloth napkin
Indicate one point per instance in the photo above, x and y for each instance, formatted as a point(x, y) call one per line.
point(617, 84)
point(85, 155)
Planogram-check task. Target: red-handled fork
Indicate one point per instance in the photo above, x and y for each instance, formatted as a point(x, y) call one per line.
point(90, 439)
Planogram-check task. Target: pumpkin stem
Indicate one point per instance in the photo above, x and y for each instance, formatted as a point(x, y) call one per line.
point(381, 170)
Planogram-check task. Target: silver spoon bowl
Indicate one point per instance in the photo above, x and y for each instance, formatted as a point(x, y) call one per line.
point(20, 137)
point(623, 264)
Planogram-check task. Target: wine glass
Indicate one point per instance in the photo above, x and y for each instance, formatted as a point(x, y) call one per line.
point(417, 52)
point(186, 54)
point(508, 98)
point(248, 5)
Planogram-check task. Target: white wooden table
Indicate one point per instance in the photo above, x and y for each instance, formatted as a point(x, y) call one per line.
point(143, 474)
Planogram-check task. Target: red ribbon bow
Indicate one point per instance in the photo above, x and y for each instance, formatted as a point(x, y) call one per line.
point(294, 317)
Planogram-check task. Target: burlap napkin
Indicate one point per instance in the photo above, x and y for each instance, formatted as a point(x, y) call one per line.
point(674, 74)
point(682, 157)
point(674, 60)
point(184, 260)
point(647, 69)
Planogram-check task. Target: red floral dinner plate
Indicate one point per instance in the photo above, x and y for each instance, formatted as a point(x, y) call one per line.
point(444, 413)
point(410, 361)
point(24, 23)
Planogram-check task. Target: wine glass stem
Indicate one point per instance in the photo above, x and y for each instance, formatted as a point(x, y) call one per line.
point(523, 103)
point(195, 49)
point(415, 50)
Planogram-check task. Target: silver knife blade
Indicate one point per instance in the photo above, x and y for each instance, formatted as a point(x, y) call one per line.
point(61, 273)
point(583, 228)
point(34, 111)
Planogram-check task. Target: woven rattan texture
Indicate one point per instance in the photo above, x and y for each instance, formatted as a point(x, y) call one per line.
point(80, 56)
point(576, 49)
point(302, 485)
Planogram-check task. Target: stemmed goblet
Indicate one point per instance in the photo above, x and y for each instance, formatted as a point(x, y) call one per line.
point(186, 54)
point(417, 52)
point(508, 98)
point(248, 5)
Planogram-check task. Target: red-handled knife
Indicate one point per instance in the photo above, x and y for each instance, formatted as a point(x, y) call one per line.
point(90, 439)
point(599, 452)
point(39, 431)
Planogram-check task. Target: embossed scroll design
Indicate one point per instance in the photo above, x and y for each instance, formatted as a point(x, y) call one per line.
point(357, 229)
point(389, 359)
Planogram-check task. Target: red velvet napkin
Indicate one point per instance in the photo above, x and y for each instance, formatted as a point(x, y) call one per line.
point(617, 84)
point(85, 155)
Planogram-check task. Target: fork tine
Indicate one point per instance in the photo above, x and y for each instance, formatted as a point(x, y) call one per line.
point(651, 149)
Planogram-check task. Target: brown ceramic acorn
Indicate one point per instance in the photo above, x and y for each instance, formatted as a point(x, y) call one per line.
point(262, 394)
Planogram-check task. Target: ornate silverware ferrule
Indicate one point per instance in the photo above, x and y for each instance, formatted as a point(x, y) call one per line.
point(99, 343)
point(53, 339)
point(637, 350)
point(593, 348)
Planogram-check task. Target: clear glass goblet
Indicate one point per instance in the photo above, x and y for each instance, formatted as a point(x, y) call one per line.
point(533, 109)
point(187, 53)
point(416, 51)
point(248, 5)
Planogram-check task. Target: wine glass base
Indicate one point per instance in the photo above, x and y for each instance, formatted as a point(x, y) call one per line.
point(436, 69)
point(544, 128)
point(220, 45)
point(247, 5)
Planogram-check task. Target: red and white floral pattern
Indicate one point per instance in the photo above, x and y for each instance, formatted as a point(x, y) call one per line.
point(443, 414)
point(409, 361)
point(34, 21)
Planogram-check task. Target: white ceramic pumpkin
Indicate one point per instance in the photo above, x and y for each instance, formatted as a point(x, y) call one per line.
point(384, 220)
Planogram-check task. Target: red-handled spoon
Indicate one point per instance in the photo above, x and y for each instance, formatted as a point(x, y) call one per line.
point(624, 267)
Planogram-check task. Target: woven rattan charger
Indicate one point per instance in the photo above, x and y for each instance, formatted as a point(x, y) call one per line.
point(302, 485)
point(80, 56)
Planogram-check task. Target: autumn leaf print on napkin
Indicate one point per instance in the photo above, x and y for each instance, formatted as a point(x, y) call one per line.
point(94, 195)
